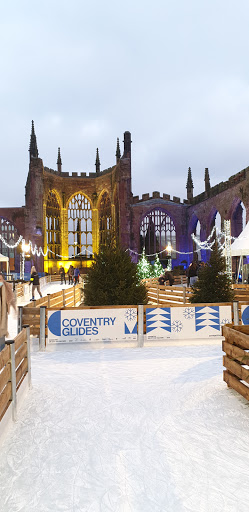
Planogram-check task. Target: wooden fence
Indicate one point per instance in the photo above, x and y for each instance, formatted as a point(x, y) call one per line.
point(165, 295)
point(177, 295)
point(236, 360)
point(241, 292)
point(14, 367)
point(31, 313)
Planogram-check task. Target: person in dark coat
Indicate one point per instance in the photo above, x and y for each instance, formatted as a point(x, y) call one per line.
point(193, 273)
point(76, 275)
point(35, 281)
point(70, 274)
point(62, 274)
point(167, 276)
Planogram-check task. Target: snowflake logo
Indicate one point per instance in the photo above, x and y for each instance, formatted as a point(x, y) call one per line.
point(225, 321)
point(189, 313)
point(130, 314)
point(177, 326)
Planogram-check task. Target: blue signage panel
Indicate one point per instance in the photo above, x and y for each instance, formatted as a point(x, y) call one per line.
point(186, 322)
point(87, 325)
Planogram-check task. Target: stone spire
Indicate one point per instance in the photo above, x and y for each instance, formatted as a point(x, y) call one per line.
point(189, 186)
point(59, 162)
point(207, 182)
point(97, 162)
point(33, 149)
point(118, 154)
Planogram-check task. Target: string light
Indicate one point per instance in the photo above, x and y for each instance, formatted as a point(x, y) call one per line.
point(11, 246)
point(205, 245)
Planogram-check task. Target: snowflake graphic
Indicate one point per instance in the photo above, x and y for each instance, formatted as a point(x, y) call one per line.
point(130, 314)
point(189, 313)
point(225, 321)
point(177, 326)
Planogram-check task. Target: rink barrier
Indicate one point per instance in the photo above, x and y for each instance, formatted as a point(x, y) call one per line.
point(165, 295)
point(30, 314)
point(236, 347)
point(15, 368)
point(194, 321)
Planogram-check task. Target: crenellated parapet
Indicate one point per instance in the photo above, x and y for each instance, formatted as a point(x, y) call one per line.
point(64, 174)
point(221, 187)
point(157, 196)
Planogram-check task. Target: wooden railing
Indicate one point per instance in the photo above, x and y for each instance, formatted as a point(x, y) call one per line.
point(14, 367)
point(171, 295)
point(241, 292)
point(30, 314)
point(236, 346)
point(165, 295)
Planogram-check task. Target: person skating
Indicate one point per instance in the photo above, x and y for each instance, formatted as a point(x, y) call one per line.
point(35, 281)
point(70, 274)
point(7, 299)
point(62, 274)
point(76, 275)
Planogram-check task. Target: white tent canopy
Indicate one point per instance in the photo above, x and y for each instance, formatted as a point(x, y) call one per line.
point(6, 260)
point(240, 246)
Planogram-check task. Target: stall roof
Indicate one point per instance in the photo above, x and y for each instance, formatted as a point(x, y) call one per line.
point(3, 258)
point(240, 246)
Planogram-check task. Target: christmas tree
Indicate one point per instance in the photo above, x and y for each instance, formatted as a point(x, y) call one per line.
point(112, 279)
point(157, 267)
point(144, 268)
point(213, 284)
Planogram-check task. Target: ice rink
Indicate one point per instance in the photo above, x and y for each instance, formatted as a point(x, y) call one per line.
point(127, 430)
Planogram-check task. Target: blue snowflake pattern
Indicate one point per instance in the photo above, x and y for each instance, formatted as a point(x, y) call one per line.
point(177, 326)
point(130, 314)
point(189, 313)
point(225, 321)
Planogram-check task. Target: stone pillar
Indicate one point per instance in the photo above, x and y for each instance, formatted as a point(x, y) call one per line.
point(95, 230)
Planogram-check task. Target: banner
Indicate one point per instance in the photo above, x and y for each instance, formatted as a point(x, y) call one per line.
point(186, 322)
point(87, 325)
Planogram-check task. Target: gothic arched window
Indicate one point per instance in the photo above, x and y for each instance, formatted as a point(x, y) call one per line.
point(53, 226)
point(157, 231)
point(10, 236)
point(238, 220)
point(79, 227)
point(116, 204)
point(197, 233)
point(105, 219)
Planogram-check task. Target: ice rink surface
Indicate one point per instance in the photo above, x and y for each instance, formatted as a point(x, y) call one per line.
point(128, 430)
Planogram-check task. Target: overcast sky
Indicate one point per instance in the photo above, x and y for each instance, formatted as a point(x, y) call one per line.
point(174, 74)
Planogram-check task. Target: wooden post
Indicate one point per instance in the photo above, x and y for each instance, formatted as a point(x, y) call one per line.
point(184, 294)
point(236, 313)
point(42, 328)
point(48, 299)
point(19, 319)
point(27, 328)
point(13, 377)
point(140, 326)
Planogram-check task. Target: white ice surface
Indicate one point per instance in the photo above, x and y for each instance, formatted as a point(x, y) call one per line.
point(128, 430)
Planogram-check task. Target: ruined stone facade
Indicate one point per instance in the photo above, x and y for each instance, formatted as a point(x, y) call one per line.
point(68, 216)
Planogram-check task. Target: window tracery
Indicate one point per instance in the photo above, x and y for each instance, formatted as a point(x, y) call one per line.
point(53, 226)
point(79, 227)
point(157, 231)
